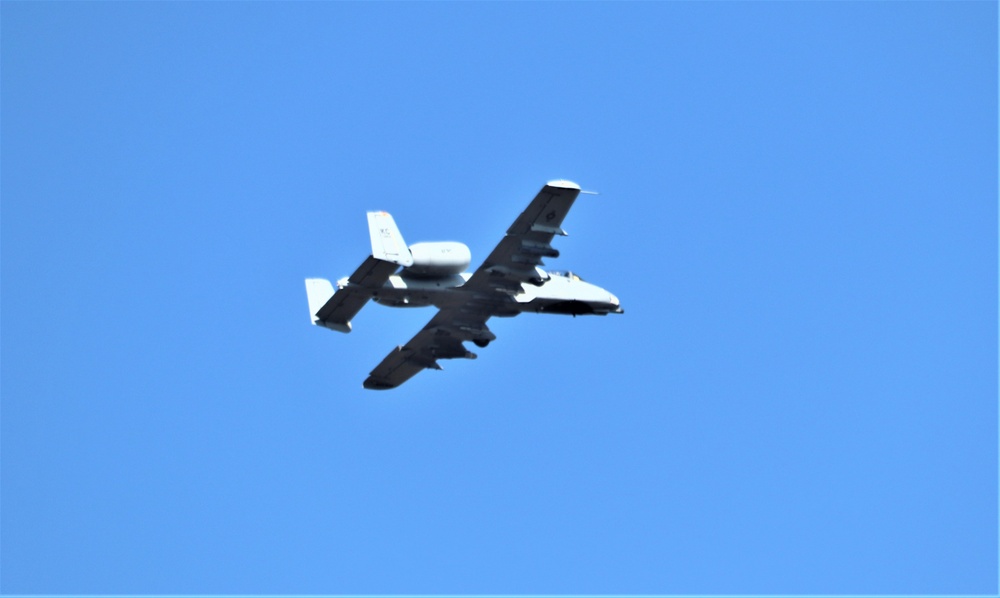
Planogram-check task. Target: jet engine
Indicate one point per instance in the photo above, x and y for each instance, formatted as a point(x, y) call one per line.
point(433, 260)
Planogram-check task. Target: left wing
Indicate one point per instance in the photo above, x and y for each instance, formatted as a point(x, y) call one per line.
point(441, 338)
point(519, 254)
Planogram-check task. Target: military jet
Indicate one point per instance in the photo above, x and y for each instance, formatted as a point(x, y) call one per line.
point(511, 281)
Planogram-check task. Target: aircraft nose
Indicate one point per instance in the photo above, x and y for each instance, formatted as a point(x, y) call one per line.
point(614, 301)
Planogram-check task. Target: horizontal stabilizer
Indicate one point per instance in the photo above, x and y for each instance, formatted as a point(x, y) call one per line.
point(372, 273)
point(336, 310)
point(387, 242)
point(321, 297)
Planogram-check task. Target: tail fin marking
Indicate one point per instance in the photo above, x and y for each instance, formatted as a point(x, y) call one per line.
point(387, 242)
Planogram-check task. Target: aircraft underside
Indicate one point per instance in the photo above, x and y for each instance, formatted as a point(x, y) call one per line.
point(501, 304)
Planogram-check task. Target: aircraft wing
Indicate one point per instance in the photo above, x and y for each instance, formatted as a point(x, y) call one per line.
point(516, 259)
point(441, 338)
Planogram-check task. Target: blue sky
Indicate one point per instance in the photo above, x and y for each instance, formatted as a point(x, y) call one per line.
point(798, 210)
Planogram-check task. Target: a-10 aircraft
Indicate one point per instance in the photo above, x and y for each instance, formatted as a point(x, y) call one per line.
point(509, 282)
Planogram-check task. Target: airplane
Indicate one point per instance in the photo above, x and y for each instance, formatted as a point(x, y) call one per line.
point(511, 281)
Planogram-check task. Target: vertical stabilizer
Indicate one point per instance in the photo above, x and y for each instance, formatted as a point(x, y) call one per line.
point(387, 242)
point(319, 291)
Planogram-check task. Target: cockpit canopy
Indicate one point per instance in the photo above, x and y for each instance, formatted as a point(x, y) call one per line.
point(567, 274)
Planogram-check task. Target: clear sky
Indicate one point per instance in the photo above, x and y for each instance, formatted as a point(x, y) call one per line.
point(798, 210)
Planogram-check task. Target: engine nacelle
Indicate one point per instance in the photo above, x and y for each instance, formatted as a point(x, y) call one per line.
point(445, 258)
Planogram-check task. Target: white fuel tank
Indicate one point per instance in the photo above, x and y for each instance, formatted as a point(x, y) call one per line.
point(438, 259)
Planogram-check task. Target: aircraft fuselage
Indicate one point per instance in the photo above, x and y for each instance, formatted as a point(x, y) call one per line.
point(559, 294)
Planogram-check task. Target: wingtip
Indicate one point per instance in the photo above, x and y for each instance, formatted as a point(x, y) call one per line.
point(374, 384)
point(563, 184)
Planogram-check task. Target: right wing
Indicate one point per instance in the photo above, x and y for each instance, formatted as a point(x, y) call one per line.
point(441, 338)
point(519, 254)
